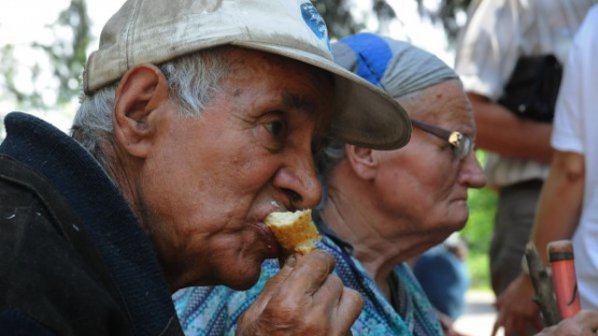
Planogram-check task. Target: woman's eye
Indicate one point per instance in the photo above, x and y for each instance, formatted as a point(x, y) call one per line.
point(447, 148)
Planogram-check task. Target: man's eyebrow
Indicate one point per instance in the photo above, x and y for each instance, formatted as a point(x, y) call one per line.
point(298, 102)
point(308, 105)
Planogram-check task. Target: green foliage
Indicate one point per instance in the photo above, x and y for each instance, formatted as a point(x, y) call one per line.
point(340, 20)
point(9, 69)
point(478, 266)
point(69, 56)
point(451, 13)
point(65, 56)
point(478, 231)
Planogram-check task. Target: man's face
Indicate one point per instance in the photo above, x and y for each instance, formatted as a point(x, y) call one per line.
point(423, 184)
point(214, 178)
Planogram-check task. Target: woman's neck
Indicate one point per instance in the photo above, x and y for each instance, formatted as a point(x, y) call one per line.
point(353, 219)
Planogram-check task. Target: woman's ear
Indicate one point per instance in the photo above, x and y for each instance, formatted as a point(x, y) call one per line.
point(141, 94)
point(362, 160)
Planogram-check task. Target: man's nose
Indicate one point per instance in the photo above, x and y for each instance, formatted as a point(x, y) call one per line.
point(471, 173)
point(299, 182)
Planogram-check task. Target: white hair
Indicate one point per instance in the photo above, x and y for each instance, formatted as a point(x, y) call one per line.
point(193, 80)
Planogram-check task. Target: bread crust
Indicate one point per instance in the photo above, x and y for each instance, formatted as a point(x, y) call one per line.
point(294, 231)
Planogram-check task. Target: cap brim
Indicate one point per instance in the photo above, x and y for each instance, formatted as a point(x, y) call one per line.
point(366, 116)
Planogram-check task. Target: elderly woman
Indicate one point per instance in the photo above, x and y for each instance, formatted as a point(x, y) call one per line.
point(381, 207)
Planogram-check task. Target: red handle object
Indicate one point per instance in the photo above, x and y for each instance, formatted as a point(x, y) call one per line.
point(560, 255)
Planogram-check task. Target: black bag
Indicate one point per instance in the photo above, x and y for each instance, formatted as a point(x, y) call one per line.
point(533, 88)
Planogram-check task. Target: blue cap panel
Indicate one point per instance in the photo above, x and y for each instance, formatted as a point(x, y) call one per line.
point(373, 54)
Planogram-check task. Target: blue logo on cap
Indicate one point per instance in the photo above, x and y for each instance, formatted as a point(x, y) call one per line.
point(314, 20)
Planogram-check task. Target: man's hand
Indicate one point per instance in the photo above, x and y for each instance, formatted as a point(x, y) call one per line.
point(584, 323)
point(303, 299)
point(517, 312)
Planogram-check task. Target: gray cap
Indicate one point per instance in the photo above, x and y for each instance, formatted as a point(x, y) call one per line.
point(156, 31)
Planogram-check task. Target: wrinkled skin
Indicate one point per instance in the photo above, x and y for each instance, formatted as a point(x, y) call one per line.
point(203, 186)
point(427, 168)
point(280, 310)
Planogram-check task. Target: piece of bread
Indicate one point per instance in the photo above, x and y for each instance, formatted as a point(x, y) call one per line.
point(294, 231)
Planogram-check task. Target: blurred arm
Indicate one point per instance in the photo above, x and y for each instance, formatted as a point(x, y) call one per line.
point(559, 207)
point(558, 213)
point(502, 132)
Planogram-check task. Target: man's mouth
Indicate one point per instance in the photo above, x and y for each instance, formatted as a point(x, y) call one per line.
point(272, 245)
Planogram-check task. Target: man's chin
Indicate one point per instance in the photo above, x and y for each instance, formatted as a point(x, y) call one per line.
point(242, 280)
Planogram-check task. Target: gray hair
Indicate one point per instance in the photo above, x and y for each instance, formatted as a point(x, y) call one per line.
point(193, 81)
point(407, 72)
point(333, 152)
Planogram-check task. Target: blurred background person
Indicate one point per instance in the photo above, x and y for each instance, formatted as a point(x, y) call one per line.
point(509, 60)
point(444, 276)
point(568, 202)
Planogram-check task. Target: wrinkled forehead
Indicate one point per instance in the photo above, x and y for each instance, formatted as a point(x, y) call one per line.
point(310, 89)
point(442, 104)
point(240, 58)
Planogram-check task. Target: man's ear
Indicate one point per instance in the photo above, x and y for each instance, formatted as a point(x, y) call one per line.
point(142, 91)
point(362, 161)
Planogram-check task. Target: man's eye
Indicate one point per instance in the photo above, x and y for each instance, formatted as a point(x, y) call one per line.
point(277, 128)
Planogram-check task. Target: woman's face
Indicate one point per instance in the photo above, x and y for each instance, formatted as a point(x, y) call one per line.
point(424, 184)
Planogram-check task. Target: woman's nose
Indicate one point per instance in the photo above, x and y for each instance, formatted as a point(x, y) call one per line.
point(471, 173)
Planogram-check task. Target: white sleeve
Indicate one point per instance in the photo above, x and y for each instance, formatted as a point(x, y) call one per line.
point(489, 46)
point(569, 120)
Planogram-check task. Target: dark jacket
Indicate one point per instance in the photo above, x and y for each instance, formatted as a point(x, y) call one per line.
point(73, 259)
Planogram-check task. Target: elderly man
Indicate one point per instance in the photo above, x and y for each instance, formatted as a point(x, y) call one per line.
point(381, 207)
point(197, 122)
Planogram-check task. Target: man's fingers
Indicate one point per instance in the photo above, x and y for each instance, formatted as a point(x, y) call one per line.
point(304, 298)
point(298, 277)
point(272, 285)
point(349, 308)
point(310, 272)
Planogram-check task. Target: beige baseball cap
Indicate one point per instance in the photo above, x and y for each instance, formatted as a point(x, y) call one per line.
point(156, 31)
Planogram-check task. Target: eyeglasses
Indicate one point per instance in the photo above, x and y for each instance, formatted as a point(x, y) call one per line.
point(461, 144)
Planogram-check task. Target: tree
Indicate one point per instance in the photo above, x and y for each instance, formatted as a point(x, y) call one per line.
point(450, 13)
point(65, 57)
point(341, 19)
